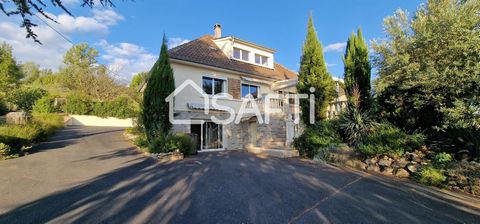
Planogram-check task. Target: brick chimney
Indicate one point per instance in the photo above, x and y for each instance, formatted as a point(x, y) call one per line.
point(217, 29)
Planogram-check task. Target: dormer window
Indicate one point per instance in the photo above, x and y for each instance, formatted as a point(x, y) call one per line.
point(240, 54)
point(261, 60)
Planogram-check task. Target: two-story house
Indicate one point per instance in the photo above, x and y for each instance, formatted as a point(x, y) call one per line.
point(239, 69)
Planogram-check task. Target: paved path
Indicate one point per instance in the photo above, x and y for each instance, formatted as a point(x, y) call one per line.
point(92, 175)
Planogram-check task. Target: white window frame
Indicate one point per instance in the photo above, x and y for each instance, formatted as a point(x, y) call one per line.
point(225, 86)
point(242, 51)
point(261, 60)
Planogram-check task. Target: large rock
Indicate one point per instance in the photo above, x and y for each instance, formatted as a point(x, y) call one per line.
point(373, 168)
point(412, 168)
point(357, 164)
point(372, 160)
point(387, 171)
point(400, 163)
point(402, 173)
point(385, 162)
point(17, 118)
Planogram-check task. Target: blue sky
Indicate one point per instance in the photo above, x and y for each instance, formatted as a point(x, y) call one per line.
point(129, 35)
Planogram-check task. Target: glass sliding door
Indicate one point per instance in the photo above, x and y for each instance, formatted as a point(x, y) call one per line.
point(212, 136)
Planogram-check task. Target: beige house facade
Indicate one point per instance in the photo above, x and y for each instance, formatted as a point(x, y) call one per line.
point(235, 72)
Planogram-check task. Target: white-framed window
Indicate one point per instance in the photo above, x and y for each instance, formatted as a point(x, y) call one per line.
point(241, 54)
point(261, 60)
point(214, 86)
point(250, 91)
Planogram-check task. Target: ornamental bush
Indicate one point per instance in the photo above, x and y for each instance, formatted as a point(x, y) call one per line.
point(44, 105)
point(121, 107)
point(77, 105)
point(317, 139)
point(430, 175)
point(390, 140)
point(25, 98)
point(3, 108)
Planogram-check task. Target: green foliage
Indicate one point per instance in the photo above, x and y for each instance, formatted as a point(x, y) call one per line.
point(82, 75)
point(30, 71)
point(427, 64)
point(317, 139)
point(45, 105)
point(138, 80)
point(173, 142)
point(357, 69)
point(184, 143)
point(442, 158)
point(313, 73)
point(155, 111)
point(9, 71)
point(121, 107)
point(19, 137)
point(25, 98)
point(461, 129)
point(77, 105)
point(430, 175)
point(3, 108)
point(5, 150)
point(390, 140)
point(355, 125)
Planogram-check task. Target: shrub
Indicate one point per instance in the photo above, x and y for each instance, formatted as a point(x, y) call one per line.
point(173, 142)
point(121, 107)
point(443, 158)
point(3, 108)
point(25, 98)
point(184, 143)
point(387, 139)
point(317, 139)
point(431, 176)
point(44, 105)
point(48, 123)
point(77, 105)
point(355, 125)
point(20, 137)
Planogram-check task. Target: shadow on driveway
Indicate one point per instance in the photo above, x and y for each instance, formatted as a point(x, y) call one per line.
point(236, 187)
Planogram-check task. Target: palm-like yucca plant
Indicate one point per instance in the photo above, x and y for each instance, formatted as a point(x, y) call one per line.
point(355, 123)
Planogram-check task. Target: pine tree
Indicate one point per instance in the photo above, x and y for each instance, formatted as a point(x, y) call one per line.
point(357, 69)
point(313, 73)
point(160, 84)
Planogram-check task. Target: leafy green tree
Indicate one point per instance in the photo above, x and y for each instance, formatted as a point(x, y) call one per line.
point(138, 80)
point(313, 73)
point(31, 72)
point(357, 69)
point(82, 75)
point(10, 73)
point(160, 85)
point(425, 65)
point(25, 98)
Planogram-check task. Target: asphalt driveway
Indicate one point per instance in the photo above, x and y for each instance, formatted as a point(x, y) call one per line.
point(92, 175)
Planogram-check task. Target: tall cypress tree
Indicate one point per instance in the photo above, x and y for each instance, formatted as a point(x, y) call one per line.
point(160, 84)
point(313, 73)
point(357, 69)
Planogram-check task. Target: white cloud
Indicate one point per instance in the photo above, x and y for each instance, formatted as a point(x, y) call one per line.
point(99, 22)
point(175, 41)
point(336, 47)
point(70, 2)
point(50, 53)
point(126, 59)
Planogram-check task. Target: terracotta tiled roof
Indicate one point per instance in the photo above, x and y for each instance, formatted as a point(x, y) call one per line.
point(204, 51)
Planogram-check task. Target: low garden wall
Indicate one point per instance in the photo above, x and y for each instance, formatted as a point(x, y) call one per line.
point(88, 120)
